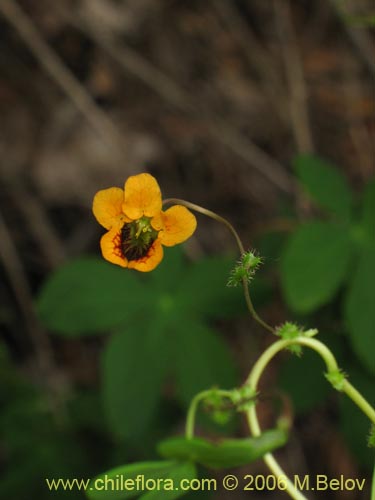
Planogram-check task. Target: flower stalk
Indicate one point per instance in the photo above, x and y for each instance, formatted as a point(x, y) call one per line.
point(222, 220)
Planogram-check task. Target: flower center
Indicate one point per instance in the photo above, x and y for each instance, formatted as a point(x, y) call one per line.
point(137, 238)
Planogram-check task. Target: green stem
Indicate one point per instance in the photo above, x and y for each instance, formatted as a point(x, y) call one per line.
point(329, 360)
point(252, 418)
point(270, 460)
point(332, 367)
point(190, 419)
point(359, 400)
point(218, 218)
point(347, 388)
point(373, 485)
point(252, 310)
point(208, 213)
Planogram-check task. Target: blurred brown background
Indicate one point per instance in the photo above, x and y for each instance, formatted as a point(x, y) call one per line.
point(214, 98)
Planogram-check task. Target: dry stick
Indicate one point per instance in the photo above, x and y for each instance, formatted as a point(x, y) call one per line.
point(356, 128)
point(55, 67)
point(358, 36)
point(150, 75)
point(257, 56)
point(250, 153)
point(173, 94)
point(40, 341)
point(20, 285)
point(41, 228)
point(294, 73)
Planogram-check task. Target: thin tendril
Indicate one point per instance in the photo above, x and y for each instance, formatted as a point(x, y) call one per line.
point(218, 218)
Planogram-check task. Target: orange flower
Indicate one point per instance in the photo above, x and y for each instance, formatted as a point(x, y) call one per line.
point(137, 226)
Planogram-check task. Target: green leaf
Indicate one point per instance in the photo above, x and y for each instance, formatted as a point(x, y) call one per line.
point(35, 446)
point(269, 245)
point(204, 292)
point(134, 366)
point(360, 310)
point(86, 410)
point(202, 360)
point(118, 476)
point(325, 184)
point(182, 471)
point(368, 210)
point(227, 453)
point(88, 296)
point(314, 389)
point(314, 265)
point(168, 276)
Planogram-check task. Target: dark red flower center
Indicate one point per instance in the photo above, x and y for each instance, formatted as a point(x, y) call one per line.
point(137, 238)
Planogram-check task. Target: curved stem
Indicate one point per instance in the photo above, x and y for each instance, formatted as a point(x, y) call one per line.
point(218, 218)
point(190, 419)
point(212, 215)
point(332, 366)
point(270, 460)
point(347, 388)
point(252, 310)
point(359, 400)
point(252, 418)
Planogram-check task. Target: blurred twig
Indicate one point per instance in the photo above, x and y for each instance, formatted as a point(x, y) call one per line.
point(62, 76)
point(132, 62)
point(257, 57)
point(359, 134)
point(294, 73)
point(48, 372)
point(358, 36)
point(13, 268)
point(41, 228)
point(172, 93)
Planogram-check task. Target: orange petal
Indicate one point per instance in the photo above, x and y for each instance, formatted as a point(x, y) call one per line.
point(142, 196)
point(157, 221)
point(150, 261)
point(107, 206)
point(110, 244)
point(179, 225)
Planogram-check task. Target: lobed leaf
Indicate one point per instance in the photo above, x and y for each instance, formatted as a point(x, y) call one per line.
point(203, 289)
point(201, 360)
point(360, 310)
point(88, 296)
point(157, 470)
point(314, 265)
point(368, 210)
point(134, 366)
point(325, 184)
